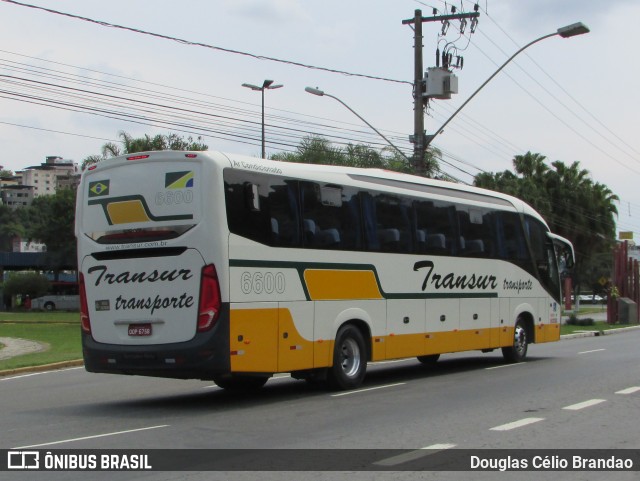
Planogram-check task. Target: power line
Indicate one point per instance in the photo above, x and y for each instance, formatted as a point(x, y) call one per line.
point(204, 45)
point(56, 131)
point(559, 85)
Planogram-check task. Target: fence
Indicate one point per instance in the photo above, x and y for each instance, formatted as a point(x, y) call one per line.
point(626, 280)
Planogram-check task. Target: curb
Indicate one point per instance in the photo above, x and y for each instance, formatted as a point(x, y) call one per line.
point(609, 332)
point(42, 368)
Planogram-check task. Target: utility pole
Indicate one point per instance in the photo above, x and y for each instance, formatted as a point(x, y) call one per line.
point(419, 99)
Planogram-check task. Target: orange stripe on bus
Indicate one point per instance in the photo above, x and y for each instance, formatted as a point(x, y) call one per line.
point(326, 284)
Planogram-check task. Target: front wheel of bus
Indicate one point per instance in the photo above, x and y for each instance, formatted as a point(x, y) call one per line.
point(518, 351)
point(349, 359)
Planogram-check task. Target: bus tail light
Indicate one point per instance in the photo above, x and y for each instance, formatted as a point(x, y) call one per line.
point(85, 322)
point(210, 300)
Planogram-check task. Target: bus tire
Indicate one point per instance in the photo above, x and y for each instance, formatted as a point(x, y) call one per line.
point(240, 383)
point(429, 360)
point(518, 351)
point(349, 359)
point(50, 306)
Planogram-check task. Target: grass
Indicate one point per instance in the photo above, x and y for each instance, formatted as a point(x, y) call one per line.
point(40, 317)
point(59, 330)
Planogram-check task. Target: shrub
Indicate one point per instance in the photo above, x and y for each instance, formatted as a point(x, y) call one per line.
point(26, 283)
point(575, 321)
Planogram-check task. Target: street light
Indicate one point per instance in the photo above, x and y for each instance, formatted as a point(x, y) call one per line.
point(564, 32)
point(321, 93)
point(266, 85)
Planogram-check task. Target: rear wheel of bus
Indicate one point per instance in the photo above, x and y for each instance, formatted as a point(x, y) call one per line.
point(429, 360)
point(349, 359)
point(240, 383)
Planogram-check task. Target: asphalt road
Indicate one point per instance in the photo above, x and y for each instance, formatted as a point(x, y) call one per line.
point(581, 393)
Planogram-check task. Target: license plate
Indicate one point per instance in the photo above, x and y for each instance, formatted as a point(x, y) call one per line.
point(139, 329)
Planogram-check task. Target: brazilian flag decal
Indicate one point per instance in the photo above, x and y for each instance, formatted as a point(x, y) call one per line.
point(178, 180)
point(98, 188)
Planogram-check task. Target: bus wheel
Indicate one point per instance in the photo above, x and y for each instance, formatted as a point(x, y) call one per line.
point(349, 359)
point(429, 360)
point(241, 383)
point(518, 351)
point(50, 306)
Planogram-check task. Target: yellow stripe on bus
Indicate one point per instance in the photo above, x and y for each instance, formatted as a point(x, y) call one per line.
point(326, 284)
point(127, 212)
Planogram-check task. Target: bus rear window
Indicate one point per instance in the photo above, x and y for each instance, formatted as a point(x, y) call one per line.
point(132, 236)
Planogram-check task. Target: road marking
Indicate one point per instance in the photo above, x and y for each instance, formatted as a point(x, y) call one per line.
point(40, 373)
point(91, 437)
point(506, 365)
point(516, 424)
point(589, 352)
point(368, 389)
point(413, 455)
point(629, 390)
point(584, 404)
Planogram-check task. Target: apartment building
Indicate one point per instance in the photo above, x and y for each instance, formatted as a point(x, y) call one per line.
point(51, 175)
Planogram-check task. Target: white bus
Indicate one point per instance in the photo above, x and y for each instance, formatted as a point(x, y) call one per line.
point(229, 268)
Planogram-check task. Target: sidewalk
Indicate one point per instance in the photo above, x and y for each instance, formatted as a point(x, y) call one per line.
point(17, 347)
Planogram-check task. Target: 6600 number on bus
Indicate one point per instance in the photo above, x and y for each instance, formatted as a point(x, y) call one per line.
point(263, 282)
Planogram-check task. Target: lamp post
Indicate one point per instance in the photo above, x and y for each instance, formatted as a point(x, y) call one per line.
point(266, 85)
point(321, 93)
point(564, 32)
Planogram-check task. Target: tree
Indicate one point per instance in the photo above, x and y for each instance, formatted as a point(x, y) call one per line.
point(10, 227)
point(5, 173)
point(130, 145)
point(318, 150)
point(52, 222)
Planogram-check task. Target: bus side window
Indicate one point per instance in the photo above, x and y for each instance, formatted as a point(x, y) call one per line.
point(283, 213)
point(438, 221)
point(394, 227)
point(246, 215)
point(372, 243)
point(474, 231)
point(328, 222)
point(351, 235)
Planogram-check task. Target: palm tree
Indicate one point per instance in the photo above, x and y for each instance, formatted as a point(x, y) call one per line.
point(130, 145)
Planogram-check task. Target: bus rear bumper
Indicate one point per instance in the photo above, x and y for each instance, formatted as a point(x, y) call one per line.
point(203, 357)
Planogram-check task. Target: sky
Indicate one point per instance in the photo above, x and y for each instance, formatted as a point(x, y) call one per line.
point(67, 85)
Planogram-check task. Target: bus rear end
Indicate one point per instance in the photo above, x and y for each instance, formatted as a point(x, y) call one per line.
point(149, 263)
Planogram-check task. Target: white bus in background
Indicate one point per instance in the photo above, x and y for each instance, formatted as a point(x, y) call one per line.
point(53, 302)
point(229, 268)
